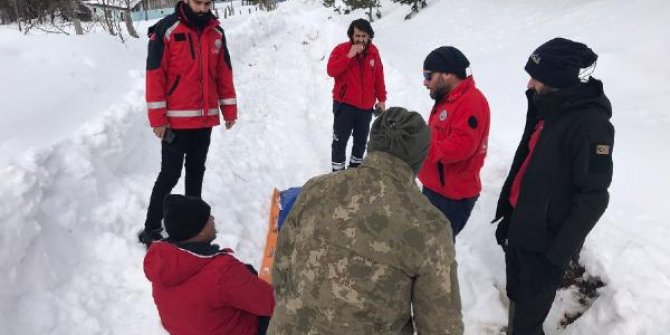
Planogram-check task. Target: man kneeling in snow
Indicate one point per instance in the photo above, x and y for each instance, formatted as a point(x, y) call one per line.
point(198, 288)
point(364, 252)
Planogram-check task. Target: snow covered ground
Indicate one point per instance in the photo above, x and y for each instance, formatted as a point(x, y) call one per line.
point(77, 158)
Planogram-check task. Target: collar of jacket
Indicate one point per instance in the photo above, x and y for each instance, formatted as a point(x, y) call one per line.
point(391, 165)
point(179, 11)
point(551, 106)
point(202, 248)
point(465, 85)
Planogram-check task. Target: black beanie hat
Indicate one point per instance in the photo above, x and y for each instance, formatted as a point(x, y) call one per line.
point(447, 60)
point(403, 134)
point(557, 62)
point(184, 216)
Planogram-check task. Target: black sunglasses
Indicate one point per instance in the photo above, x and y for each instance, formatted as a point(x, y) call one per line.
point(427, 75)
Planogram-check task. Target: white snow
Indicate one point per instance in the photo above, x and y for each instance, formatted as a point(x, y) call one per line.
point(78, 159)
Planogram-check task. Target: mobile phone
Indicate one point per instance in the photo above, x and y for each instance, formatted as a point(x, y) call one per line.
point(169, 135)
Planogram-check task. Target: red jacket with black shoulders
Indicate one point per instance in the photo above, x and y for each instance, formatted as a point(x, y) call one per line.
point(189, 79)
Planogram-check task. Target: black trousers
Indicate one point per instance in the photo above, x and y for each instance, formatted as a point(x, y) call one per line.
point(531, 287)
point(457, 211)
point(347, 120)
point(190, 145)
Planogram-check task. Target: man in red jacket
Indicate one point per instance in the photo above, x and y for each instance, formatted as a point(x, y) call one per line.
point(189, 82)
point(359, 82)
point(459, 125)
point(197, 287)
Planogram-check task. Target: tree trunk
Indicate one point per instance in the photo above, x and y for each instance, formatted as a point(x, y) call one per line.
point(144, 7)
point(129, 21)
point(71, 13)
point(18, 18)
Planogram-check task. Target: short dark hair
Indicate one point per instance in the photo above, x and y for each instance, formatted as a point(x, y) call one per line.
point(360, 24)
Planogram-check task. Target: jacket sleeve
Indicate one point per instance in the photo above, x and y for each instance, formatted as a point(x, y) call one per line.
point(436, 297)
point(338, 61)
point(240, 288)
point(592, 171)
point(467, 130)
point(225, 86)
point(156, 77)
point(380, 85)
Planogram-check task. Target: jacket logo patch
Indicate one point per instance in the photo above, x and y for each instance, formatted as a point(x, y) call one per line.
point(217, 47)
point(372, 63)
point(535, 58)
point(472, 122)
point(443, 115)
point(602, 149)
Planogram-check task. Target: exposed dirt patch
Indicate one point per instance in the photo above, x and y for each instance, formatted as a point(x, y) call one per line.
point(586, 285)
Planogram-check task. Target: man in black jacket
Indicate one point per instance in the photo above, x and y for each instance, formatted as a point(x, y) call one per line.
point(556, 189)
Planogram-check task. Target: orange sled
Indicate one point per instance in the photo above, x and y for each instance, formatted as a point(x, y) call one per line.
point(271, 240)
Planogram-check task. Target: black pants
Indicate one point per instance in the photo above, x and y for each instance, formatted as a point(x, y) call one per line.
point(531, 287)
point(457, 211)
point(191, 144)
point(348, 119)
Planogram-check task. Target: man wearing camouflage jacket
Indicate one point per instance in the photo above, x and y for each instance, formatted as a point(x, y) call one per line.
point(364, 252)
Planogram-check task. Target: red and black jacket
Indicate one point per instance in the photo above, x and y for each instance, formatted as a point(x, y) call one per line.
point(358, 80)
point(205, 292)
point(459, 131)
point(189, 74)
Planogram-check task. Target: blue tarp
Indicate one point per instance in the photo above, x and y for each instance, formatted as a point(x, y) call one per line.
point(286, 200)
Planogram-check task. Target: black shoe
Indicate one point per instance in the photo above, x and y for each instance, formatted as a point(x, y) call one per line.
point(149, 236)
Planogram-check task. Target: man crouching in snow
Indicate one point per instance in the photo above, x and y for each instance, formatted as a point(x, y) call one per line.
point(364, 252)
point(198, 288)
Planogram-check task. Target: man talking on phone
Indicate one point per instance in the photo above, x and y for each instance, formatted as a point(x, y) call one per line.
point(189, 82)
point(359, 83)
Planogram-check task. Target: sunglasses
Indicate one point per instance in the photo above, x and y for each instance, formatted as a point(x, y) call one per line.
point(427, 75)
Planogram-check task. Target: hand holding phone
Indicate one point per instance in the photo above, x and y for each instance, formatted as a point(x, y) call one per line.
point(169, 136)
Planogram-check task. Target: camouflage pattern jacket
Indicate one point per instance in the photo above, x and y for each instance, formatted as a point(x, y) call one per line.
point(364, 252)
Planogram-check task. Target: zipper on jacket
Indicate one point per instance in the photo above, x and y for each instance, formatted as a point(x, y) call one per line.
point(362, 65)
point(174, 85)
point(190, 43)
point(202, 97)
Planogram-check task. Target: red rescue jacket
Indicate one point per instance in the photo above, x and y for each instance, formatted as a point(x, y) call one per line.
point(459, 126)
point(198, 294)
point(358, 80)
point(189, 74)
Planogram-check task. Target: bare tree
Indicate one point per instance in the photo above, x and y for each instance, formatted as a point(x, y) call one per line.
point(71, 7)
point(129, 21)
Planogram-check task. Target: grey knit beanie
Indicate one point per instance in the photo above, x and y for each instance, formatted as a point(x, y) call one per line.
point(403, 134)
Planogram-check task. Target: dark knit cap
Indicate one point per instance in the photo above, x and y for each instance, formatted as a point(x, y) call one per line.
point(403, 134)
point(184, 216)
point(557, 62)
point(447, 60)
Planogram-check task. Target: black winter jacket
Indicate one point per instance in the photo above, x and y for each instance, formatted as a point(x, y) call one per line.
point(564, 189)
